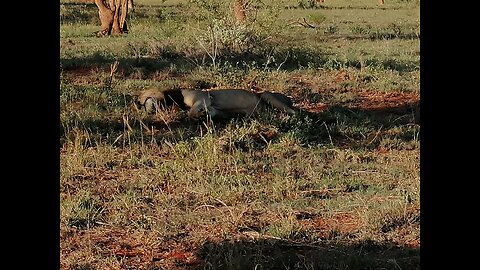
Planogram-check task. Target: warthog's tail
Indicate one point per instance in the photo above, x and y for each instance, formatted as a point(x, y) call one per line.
point(278, 100)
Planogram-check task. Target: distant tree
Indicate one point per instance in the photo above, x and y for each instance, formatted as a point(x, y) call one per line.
point(113, 16)
point(239, 9)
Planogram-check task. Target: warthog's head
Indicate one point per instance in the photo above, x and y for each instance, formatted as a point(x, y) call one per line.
point(151, 105)
point(200, 109)
point(151, 99)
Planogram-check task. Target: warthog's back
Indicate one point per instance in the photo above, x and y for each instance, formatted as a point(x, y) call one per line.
point(190, 97)
point(234, 100)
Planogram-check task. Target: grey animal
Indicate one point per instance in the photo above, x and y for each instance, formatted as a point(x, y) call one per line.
point(224, 103)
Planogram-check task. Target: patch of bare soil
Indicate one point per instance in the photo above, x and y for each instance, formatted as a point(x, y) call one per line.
point(387, 102)
point(370, 100)
point(135, 249)
point(312, 107)
point(345, 223)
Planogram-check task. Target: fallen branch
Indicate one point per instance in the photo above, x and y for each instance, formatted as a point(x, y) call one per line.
point(303, 23)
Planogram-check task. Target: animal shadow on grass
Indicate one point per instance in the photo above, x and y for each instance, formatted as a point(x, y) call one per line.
point(282, 254)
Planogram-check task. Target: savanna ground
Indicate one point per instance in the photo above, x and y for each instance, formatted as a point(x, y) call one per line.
point(336, 186)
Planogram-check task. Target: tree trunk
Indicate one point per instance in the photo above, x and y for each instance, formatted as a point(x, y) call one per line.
point(106, 18)
point(126, 5)
point(239, 9)
point(113, 17)
point(116, 9)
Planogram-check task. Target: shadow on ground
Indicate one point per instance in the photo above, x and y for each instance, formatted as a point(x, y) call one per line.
point(165, 56)
point(280, 254)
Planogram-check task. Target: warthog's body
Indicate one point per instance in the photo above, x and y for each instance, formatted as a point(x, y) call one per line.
point(232, 102)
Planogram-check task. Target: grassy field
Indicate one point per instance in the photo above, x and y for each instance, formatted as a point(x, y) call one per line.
point(336, 186)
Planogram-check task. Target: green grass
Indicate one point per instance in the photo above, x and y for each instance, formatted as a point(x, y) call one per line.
point(337, 188)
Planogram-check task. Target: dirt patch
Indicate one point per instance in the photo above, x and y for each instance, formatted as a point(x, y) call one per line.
point(312, 107)
point(344, 223)
point(136, 248)
point(388, 102)
point(373, 100)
